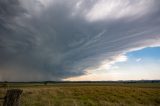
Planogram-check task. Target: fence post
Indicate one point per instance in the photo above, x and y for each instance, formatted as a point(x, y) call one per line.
point(12, 97)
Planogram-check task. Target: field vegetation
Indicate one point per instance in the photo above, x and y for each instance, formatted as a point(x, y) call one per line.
point(86, 94)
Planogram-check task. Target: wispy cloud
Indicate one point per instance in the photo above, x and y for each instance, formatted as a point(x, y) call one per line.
point(139, 59)
point(116, 9)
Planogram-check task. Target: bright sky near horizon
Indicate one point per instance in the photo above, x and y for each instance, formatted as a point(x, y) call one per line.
point(79, 40)
point(139, 65)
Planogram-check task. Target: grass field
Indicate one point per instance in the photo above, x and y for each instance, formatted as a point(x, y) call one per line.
point(88, 94)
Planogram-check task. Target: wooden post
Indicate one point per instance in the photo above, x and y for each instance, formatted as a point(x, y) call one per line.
point(12, 97)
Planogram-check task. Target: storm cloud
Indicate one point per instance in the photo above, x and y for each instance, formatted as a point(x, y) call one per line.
point(54, 39)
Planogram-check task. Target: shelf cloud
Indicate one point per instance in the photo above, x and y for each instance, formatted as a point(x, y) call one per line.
point(54, 40)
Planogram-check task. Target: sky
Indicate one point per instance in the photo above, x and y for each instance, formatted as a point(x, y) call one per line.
point(79, 40)
point(138, 65)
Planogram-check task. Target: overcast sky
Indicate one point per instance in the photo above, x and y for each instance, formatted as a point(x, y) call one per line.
point(79, 40)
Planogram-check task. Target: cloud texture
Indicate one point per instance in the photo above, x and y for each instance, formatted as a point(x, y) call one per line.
point(54, 39)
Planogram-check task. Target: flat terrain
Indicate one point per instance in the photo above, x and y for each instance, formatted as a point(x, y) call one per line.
point(87, 94)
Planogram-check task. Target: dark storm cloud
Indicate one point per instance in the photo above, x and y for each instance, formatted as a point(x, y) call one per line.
point(52, 40)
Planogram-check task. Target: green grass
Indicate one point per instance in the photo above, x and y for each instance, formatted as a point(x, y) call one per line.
point(88, 94)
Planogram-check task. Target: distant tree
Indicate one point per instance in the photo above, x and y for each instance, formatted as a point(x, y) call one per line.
point(5, 84)
point(46, 82)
